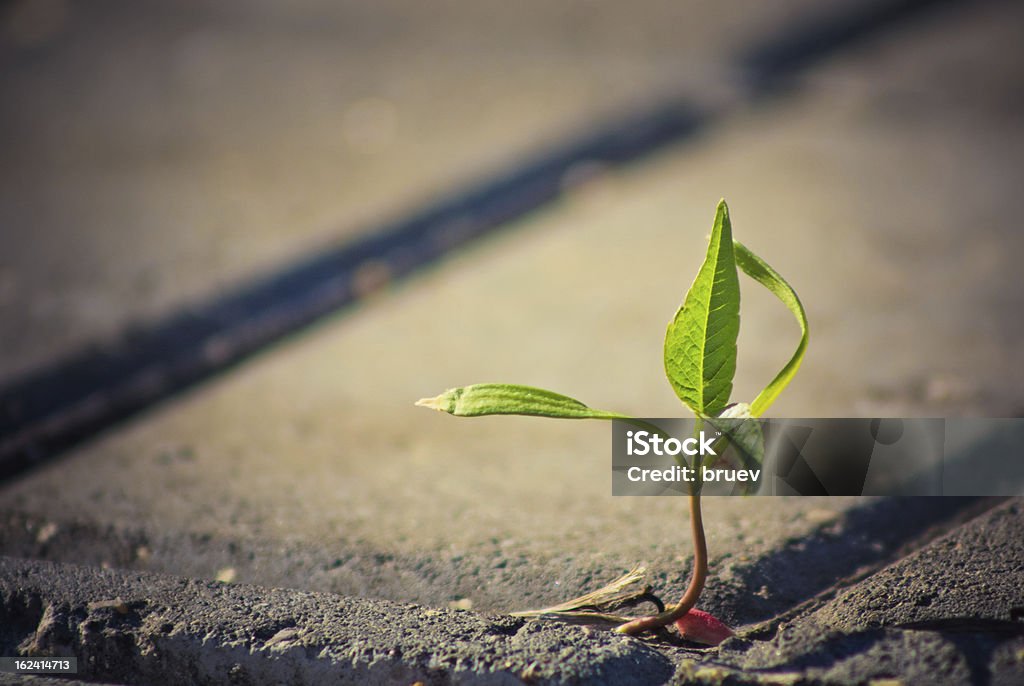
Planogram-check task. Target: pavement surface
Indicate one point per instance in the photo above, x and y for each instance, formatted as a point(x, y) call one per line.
point(156, 153)
point(882, 184)
point(948, 614)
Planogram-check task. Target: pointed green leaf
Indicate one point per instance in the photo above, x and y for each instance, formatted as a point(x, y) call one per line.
point(495, 398)
point(700, 344)
point(757, 269)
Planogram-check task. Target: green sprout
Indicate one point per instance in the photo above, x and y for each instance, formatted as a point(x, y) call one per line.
point(700, 362)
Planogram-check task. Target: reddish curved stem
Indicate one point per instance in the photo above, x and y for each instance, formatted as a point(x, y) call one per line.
point(697, 579)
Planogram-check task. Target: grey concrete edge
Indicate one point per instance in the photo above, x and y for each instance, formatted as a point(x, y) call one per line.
point(131, 628)
point(901, 621)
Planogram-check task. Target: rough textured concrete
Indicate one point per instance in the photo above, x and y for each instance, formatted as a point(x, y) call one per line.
point(154, 153)
point(752, 580)
point(916, 621)
point(152, 629)
point(950, 613)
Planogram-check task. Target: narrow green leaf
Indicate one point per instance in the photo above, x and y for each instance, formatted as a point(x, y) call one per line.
point(700, 344)
point(496, 398)
point(757, 269)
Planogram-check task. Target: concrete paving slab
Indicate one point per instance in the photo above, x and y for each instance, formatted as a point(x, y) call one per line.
point(751, 581)
point(156, 154)
point(916, 621)
point(137, 628)
point(951, 613)
point(316, 446)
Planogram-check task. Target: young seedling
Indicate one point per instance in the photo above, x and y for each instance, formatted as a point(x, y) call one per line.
point(700, 362)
